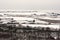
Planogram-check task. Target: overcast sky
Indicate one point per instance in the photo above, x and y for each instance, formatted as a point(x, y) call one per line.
point(30, 4)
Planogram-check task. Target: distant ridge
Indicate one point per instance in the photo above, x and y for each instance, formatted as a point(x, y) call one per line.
point(24, 11)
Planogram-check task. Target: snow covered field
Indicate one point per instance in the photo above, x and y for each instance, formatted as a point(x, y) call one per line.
point(22, 20)
point(37, 25)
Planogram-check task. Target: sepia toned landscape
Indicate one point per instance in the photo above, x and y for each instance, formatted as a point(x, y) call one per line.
point(29, 26)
